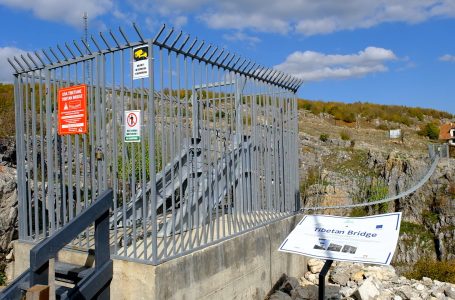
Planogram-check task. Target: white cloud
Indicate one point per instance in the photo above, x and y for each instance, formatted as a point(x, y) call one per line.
point(6, 70)
point(67, 11)
point(179, 21)
point(314, 66)
point(307, 17)
point(447, 58)
point(242, 37)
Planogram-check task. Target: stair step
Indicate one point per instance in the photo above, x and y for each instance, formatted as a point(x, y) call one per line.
point(70, 273)
point(60, 292)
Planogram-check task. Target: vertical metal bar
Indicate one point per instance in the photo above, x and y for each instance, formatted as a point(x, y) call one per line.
point(268, 149)
point(239, 134)
point(22, 224)
point(92, 135)
point(124, 178)
point(77, 178)
point(27, 156)
point(253, 154)
point(50, 167)
point(60, 148)
point(163, 151)
point(144, 174)
point(133, 167)
point(230, 154)
point(179, 151)
point(42, 161)
point(189, 196)
point(84, 149)
point(34, 157)
point(104, 134)
point(172, 153)
point(152, 153)
point(218, 168)
point(115, 175)
point(208, 150)
point(97, 128)
point(69, 161)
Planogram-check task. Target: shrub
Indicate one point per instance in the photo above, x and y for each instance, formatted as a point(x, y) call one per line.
point(430, 130)
point(451, 189)
point(324, 137)
point(345, 136)
point(349, 118)
point(437, 270)
point(382, 127)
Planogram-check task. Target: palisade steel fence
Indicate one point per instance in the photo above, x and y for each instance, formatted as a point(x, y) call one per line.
point(218, 153)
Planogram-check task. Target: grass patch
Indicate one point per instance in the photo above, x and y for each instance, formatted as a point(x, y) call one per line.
point(437, 270)
point(416, 231)
point(430, 216)
point(345, 136)
point(324, 137)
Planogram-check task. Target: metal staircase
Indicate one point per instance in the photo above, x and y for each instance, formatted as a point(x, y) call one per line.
point(77, 282)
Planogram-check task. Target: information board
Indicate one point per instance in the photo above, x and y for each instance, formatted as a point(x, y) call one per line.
point(72, 110)
point(395, 133)
point(371, 239)
point(132, 126)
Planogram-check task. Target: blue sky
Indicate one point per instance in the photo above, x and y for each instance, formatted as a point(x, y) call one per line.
point(379, 51)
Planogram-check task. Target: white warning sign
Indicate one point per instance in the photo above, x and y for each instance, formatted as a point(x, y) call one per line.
point(141, 62)
point(132, 126)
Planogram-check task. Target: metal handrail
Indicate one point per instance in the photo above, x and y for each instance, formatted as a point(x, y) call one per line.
point(47, 249)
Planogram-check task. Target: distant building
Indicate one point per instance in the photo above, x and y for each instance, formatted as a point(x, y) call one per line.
point(447, 133)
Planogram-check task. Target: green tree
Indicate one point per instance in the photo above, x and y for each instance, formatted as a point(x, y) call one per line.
point(430, 130)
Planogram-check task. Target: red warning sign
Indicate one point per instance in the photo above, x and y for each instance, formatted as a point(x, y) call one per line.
point(72, 110)
point(132, 119)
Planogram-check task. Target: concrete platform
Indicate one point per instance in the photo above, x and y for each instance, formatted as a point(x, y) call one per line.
point(243, 267)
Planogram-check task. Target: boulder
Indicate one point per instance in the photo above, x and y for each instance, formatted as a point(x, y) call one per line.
point(369, 290)
point(406, 292)
point(315, 265)
point(279, 295)
point(450, 292)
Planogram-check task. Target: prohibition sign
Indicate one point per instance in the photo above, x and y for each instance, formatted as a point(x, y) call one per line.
point(131, 120)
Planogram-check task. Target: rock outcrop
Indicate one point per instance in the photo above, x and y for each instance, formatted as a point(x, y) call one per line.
point(8, 208)
point(353, 281)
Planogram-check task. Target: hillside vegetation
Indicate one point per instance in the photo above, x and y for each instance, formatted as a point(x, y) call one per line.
point(349, 112)
point(7, 126)
point(346, 112)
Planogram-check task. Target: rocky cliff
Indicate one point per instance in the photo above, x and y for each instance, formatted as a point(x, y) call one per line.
point(368, 166)
point(8, 201)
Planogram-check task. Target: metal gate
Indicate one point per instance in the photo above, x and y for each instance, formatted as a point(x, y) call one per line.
point(217, 154)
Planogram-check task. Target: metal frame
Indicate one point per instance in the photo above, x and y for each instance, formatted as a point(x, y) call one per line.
point(97, 282)
point(218, 155)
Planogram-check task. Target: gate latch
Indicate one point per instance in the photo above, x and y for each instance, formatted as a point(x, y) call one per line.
point(99, 154)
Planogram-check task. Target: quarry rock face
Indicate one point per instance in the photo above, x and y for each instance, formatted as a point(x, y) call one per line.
point(378, 283)
point(7, 152)
point(328, 171)
point(8, 208)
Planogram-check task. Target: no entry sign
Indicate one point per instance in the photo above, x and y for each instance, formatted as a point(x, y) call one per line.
point(132, 126)
point(72, 110)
